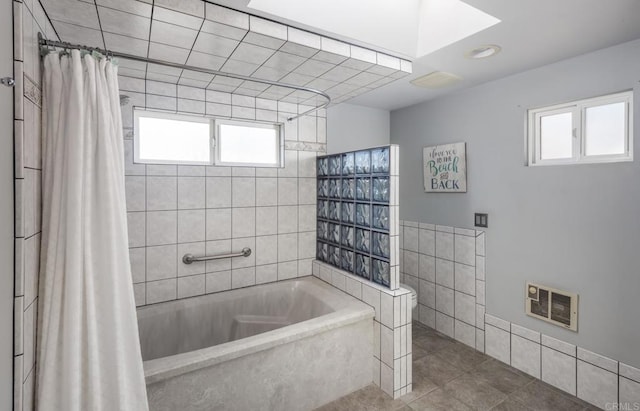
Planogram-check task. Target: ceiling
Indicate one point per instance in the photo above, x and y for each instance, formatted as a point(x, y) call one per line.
point(206, 35)
point(532, 33)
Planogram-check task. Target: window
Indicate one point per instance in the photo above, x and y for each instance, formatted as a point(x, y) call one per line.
point(167, 138)
point(244, 143)
point(594, 130)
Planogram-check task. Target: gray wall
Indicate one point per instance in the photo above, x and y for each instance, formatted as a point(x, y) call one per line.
point(6, 210)
point(352, 127)
point(576, 228)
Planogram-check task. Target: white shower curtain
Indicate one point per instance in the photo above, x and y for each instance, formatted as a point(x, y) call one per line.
point(88, 351)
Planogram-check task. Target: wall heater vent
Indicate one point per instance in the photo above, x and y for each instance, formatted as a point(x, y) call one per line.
point(551, 305)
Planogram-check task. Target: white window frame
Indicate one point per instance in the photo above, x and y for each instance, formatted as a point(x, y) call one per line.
point(137, 113)
point(578, 114)
point(256, 124)
point(214, 125)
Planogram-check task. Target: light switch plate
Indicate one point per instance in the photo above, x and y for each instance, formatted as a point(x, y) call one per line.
point(481, 219)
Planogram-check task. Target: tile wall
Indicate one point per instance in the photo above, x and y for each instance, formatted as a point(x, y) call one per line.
point(445, 265)
point(601, 381)
point(392, 336)
point(174, 210)
point(357, 213)
point(203, 34)
point(29, 19)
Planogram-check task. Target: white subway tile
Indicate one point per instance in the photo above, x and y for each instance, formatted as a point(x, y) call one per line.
point(427, 242)
point(498, 322)
point(525, 355)
point(465, 333)
point(427, 293)
point(162, 227)
point(559, 370)
point(371, 296)
point(444, 273)
point(629, 393)
point(445, 324)
point(465, 278)
point(427, 268)
point(411, 239)
point(411, 263)
point(427, 316)
point(497, 343)
point(480, 292)
point(160, 291)
point(191, 192)
point(445, 300)
point(243, 277)
point(243, 192)
point(287, 270)
point(525, 333)
point(191, 286)
point(597, 359)
point(480, 268)
point(596, 385)
point(386, 345)
point(630, 372)
point(243, 222)
point(464, 249)
point(480, 340)
point(465, 308)
point(218, 224)
point(218, 281)
point(480, 311)
point(218, 191)
point(191, 226)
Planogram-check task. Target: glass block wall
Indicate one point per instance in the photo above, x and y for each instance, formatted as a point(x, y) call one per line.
point(356, 199)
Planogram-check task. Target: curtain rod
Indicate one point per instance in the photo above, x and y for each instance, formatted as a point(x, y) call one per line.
point(62, 44)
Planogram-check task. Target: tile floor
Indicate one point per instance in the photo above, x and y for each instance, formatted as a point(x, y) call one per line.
point(448, 375)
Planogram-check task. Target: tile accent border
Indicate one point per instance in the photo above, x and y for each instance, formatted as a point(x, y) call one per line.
point(594, 378)
point(392, 332)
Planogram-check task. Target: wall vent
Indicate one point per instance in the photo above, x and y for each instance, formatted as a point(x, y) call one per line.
point(551, 305)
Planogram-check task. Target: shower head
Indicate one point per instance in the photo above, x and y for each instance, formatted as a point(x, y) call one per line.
point(124, 99)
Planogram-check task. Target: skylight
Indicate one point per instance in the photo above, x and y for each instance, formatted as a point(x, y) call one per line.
point(410, 28)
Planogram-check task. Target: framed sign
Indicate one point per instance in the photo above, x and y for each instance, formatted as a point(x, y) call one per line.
point(445, 168)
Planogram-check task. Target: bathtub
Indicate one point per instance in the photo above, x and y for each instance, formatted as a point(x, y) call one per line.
point(291, 345)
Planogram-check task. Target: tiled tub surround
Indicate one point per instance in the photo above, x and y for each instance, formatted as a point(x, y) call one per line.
point(204, 34)
point(174, 210)
point(29, 19)
point(596, 379)
point(357, 213)
point(446, 267)
point(310, 342)
point(392, 348)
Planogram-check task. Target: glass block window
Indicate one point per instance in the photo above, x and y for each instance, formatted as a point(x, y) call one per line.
point(353, 213)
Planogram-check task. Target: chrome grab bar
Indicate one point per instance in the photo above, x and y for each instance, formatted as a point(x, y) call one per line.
point(190, 258)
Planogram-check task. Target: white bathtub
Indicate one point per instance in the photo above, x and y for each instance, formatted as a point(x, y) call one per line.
point(291, 345)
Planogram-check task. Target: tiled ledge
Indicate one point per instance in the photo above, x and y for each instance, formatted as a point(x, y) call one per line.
point(601, 381)
point(446, 267)
point(392, 348)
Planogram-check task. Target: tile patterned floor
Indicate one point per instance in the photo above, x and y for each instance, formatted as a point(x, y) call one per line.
point(450, 376)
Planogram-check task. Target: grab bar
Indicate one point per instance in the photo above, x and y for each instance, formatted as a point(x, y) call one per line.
point(190, 258)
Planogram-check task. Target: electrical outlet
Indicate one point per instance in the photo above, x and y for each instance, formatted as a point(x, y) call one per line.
point(481, 219)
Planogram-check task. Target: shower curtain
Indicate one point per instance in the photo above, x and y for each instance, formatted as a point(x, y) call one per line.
point(88, 350)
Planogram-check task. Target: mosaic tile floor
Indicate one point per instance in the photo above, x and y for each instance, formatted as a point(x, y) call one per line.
point(448, 376)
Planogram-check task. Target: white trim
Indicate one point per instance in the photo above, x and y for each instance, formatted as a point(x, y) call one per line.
point(578, 108)
point(248, 123)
